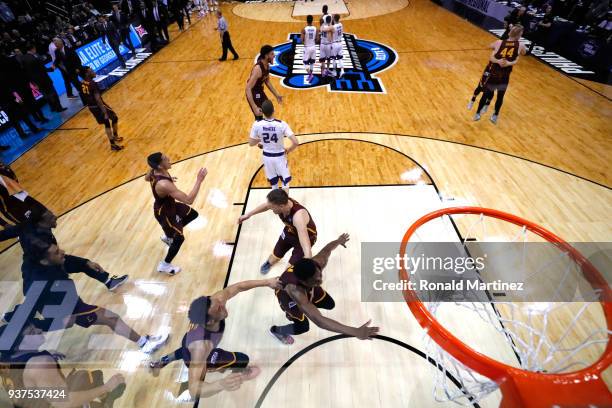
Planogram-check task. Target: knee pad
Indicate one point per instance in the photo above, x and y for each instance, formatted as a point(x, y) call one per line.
point(274, 181)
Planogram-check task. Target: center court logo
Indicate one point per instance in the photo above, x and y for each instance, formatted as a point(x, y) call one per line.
point(362, 59)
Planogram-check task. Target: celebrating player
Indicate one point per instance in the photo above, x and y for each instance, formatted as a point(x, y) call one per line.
point(199, 349)
point(336, 50)
point(99, 109)
point(309, 39)
point(170, 214)
point(504, 56)
point(299, 234)
point(24, 366)
point(269, 133)
point(48, 290)
point(260, 75)
point(302, 296)
point(480, 88)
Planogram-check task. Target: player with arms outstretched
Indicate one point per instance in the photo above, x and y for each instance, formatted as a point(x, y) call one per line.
point(199, 347)
point(171, 207)
point(299, 234)
point(302, 296)
point(504, 56)
point(269, 133)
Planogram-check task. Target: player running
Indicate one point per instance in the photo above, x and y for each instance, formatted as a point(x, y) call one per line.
point(171, 207)
point(302, 296)
point(199, 347)
point(299, 234)
point(269, 134)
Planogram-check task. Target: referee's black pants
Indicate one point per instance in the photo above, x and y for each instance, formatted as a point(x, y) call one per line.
point(226, 43)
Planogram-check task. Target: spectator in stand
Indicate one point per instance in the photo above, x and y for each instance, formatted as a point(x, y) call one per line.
point(161, 21)
point(72, 38)
point(122, 22)
point(542, 30)
point(516, 16)
point(110, 35)
point(69, 64)
point(14, 108)
point(36, 70)
point(19, 84)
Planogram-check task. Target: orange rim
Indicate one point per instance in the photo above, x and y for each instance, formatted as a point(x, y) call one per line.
point(481, 363)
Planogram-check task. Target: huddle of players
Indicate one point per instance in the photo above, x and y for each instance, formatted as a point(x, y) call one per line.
point(330, 38)
point(496, 75)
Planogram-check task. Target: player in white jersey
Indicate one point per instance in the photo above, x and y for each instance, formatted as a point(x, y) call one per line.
point(325, 48)
point(309, 39)
point(269, 134)
point(337, 41)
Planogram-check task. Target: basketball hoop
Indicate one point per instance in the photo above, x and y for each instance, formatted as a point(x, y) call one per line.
point(522, 386)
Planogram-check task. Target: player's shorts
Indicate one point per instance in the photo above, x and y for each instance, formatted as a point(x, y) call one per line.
point(18, 211)
point(498, 84)
point(325, 52)
point(99, 115)
point(290, 307)
point(310, 54)
point(288, 241)
point(219, 359)
point(275, 167)
point(85, 314)
point(171, 219)
point(258, 97)
point(336, 51)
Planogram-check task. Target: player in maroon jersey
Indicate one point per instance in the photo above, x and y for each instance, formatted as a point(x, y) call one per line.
point(16, 204)
point(480, 88)
point(504, 56)
point(301, 297)
point(103, 113)
point(260, 75)
point(24, 365)
point(199, 347)
point(299, 234)
point(171, 207)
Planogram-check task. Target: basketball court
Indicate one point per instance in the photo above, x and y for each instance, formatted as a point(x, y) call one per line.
point(373, 159)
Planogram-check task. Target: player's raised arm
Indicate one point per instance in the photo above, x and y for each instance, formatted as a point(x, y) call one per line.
point(171, 190)
point(257, 210)
point(232, 290)
point(255, 75)
point(197, 372)
point(323, 256)
point(363, 332)
point(300, 222)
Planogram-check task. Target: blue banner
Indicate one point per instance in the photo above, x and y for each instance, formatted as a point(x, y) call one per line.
point(97, 55)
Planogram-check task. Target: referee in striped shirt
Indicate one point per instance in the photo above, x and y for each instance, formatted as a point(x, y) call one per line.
point(226, 41)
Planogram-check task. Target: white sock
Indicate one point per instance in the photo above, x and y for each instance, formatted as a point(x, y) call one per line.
point(142, 341)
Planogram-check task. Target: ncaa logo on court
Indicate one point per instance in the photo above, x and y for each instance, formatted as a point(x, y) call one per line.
point(362, 59)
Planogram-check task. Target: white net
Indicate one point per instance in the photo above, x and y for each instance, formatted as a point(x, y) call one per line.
point(559, 335)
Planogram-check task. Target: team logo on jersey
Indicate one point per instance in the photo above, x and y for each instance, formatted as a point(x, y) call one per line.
point(362, 59)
